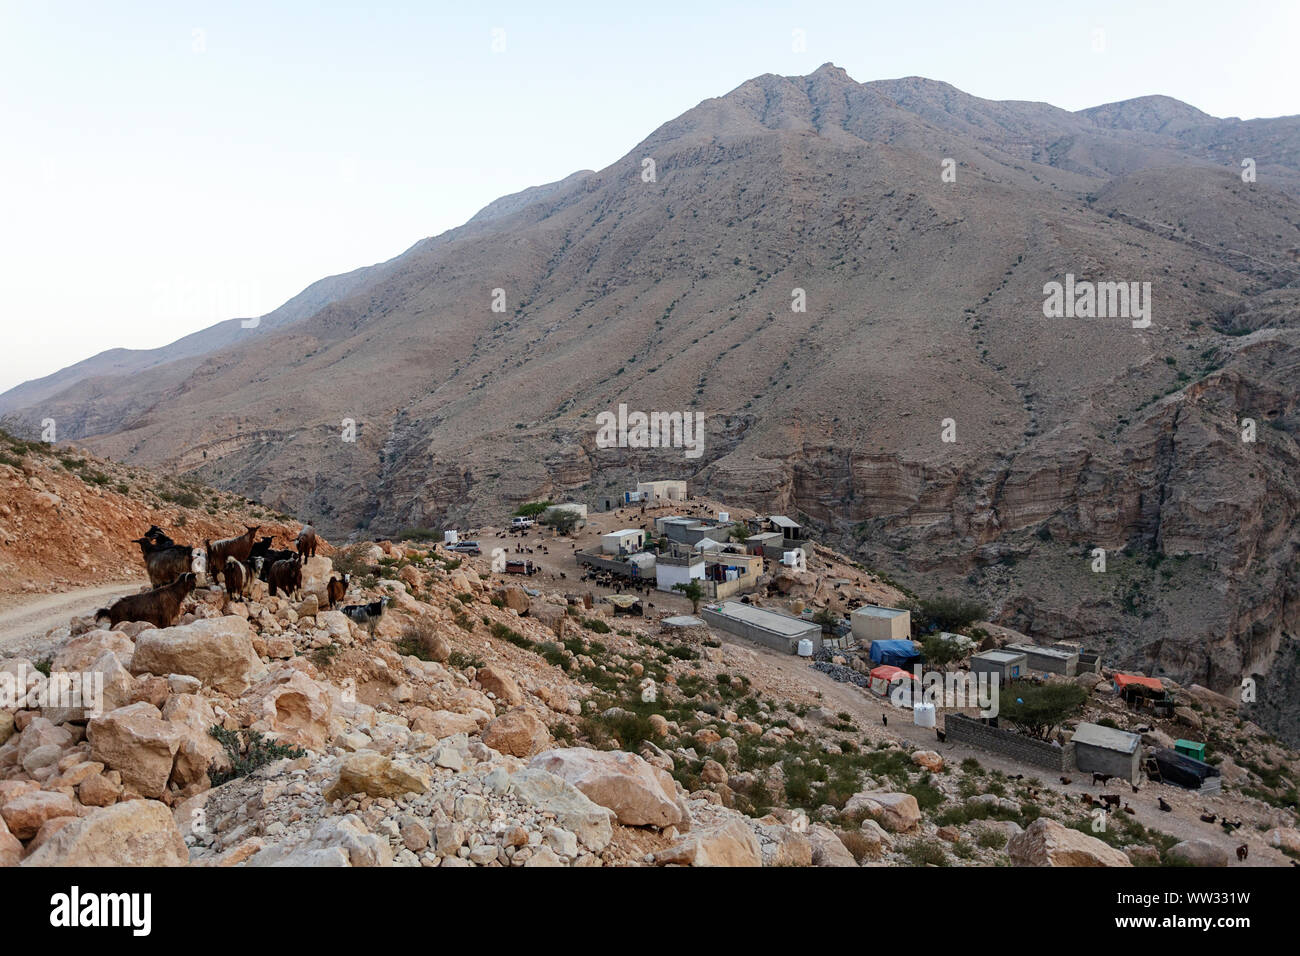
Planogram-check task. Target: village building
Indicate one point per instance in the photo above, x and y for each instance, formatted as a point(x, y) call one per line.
point(872, 623)
point(657, 492)
point(763, 626)
point(1051, 660)
point(623, 542)
point(768, 544)
point(678, 567)
point(1099, 749)
point(1007, 665)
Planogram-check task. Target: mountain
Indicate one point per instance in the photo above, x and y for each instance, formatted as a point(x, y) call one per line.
point(924, 320)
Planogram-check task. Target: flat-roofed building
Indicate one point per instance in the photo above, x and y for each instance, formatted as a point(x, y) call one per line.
point(872, 623)
point(1051, 660)
point(660, 491)
point(1099, 749)
point(770, 628)
point(1008, 665)
point(624, 541)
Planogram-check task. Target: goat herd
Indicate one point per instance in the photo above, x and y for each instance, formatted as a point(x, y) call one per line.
point(175, 569)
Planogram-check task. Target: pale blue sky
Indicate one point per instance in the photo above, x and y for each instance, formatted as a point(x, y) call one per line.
point(168, 165)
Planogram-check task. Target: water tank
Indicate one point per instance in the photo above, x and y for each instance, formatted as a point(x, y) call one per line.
point(805, 648)
point(724, 516)
point(923, 715)
point(450, 537)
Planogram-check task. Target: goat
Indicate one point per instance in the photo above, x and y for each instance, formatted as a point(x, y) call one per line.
point(158, 538)
point(262, 546)
point(199, 562)
point(1209, 817)
point(1101, 778)
point(306, 542)
point(1065, 780)
point(367, 615)
point(269, 560)
point(286, 576)
point(1243, 851)
point(237, 579)
point(1164, 806)
point(1110, 799)
point(158, 607)
point(336, 590)
point(164, 564)
point(1129, 810)
point(238, 547)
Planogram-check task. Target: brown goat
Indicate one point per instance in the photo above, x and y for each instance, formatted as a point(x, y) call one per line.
point(337, 590)
point(159, 607)
point(286, 576)
point(307, 542)
point(237, 579)
point(164, 564)
point(237, 548)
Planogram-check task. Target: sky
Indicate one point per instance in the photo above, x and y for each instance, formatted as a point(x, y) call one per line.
point(164, 166)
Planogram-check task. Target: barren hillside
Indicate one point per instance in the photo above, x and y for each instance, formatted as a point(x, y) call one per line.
point(924, 303)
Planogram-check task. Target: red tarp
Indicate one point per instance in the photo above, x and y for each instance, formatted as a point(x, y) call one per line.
point(890, 673)
point(1125, 680)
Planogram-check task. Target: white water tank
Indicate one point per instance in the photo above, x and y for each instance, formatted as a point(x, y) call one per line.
point(450, 537)
point(923, 715)
point(724, 516)
point(805, 648)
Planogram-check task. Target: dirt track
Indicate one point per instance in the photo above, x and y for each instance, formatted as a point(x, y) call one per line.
point(30, 621)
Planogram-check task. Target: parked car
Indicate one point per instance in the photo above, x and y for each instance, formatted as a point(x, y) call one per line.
point(465, 547)
point(518, 523)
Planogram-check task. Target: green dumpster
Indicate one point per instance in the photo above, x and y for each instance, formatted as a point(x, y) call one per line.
point(1190, 748)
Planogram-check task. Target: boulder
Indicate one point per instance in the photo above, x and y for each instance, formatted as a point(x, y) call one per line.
point(496, 681)
point(140, 745)
point(573, 810)
point(24, 815)
point(638, 793)
point(1048, 843)
point(928, 759)
point(441, 723)
point(896, 812)
point(827, 850)
point(193, 718)
point(518, 733)
point(11, 849)
point(292, 706)
point(81, 652)
point(377, 775)
point(218, 651)
point(135, 833)
point(728, 843)
point(1199, 852)
point(1284, 838)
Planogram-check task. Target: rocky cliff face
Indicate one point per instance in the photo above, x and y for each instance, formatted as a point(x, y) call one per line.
point(923, 317)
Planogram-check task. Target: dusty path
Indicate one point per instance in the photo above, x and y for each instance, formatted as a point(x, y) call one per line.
point(31, 620)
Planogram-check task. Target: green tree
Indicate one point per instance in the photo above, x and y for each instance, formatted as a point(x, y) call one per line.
point(694, 592)
point(940, 652)
point(562, 520)
point(532, 509)
point(1037, 710)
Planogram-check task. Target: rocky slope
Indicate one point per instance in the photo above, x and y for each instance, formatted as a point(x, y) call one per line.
point(924, 304)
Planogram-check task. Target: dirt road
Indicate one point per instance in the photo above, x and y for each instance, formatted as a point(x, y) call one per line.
point(31, 620)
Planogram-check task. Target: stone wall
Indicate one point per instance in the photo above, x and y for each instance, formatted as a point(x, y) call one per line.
point(966, 730)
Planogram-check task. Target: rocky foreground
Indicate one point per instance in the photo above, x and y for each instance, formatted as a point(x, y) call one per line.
point(482, 725)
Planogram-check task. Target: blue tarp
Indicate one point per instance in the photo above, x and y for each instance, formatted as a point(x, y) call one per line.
point(894, 653)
